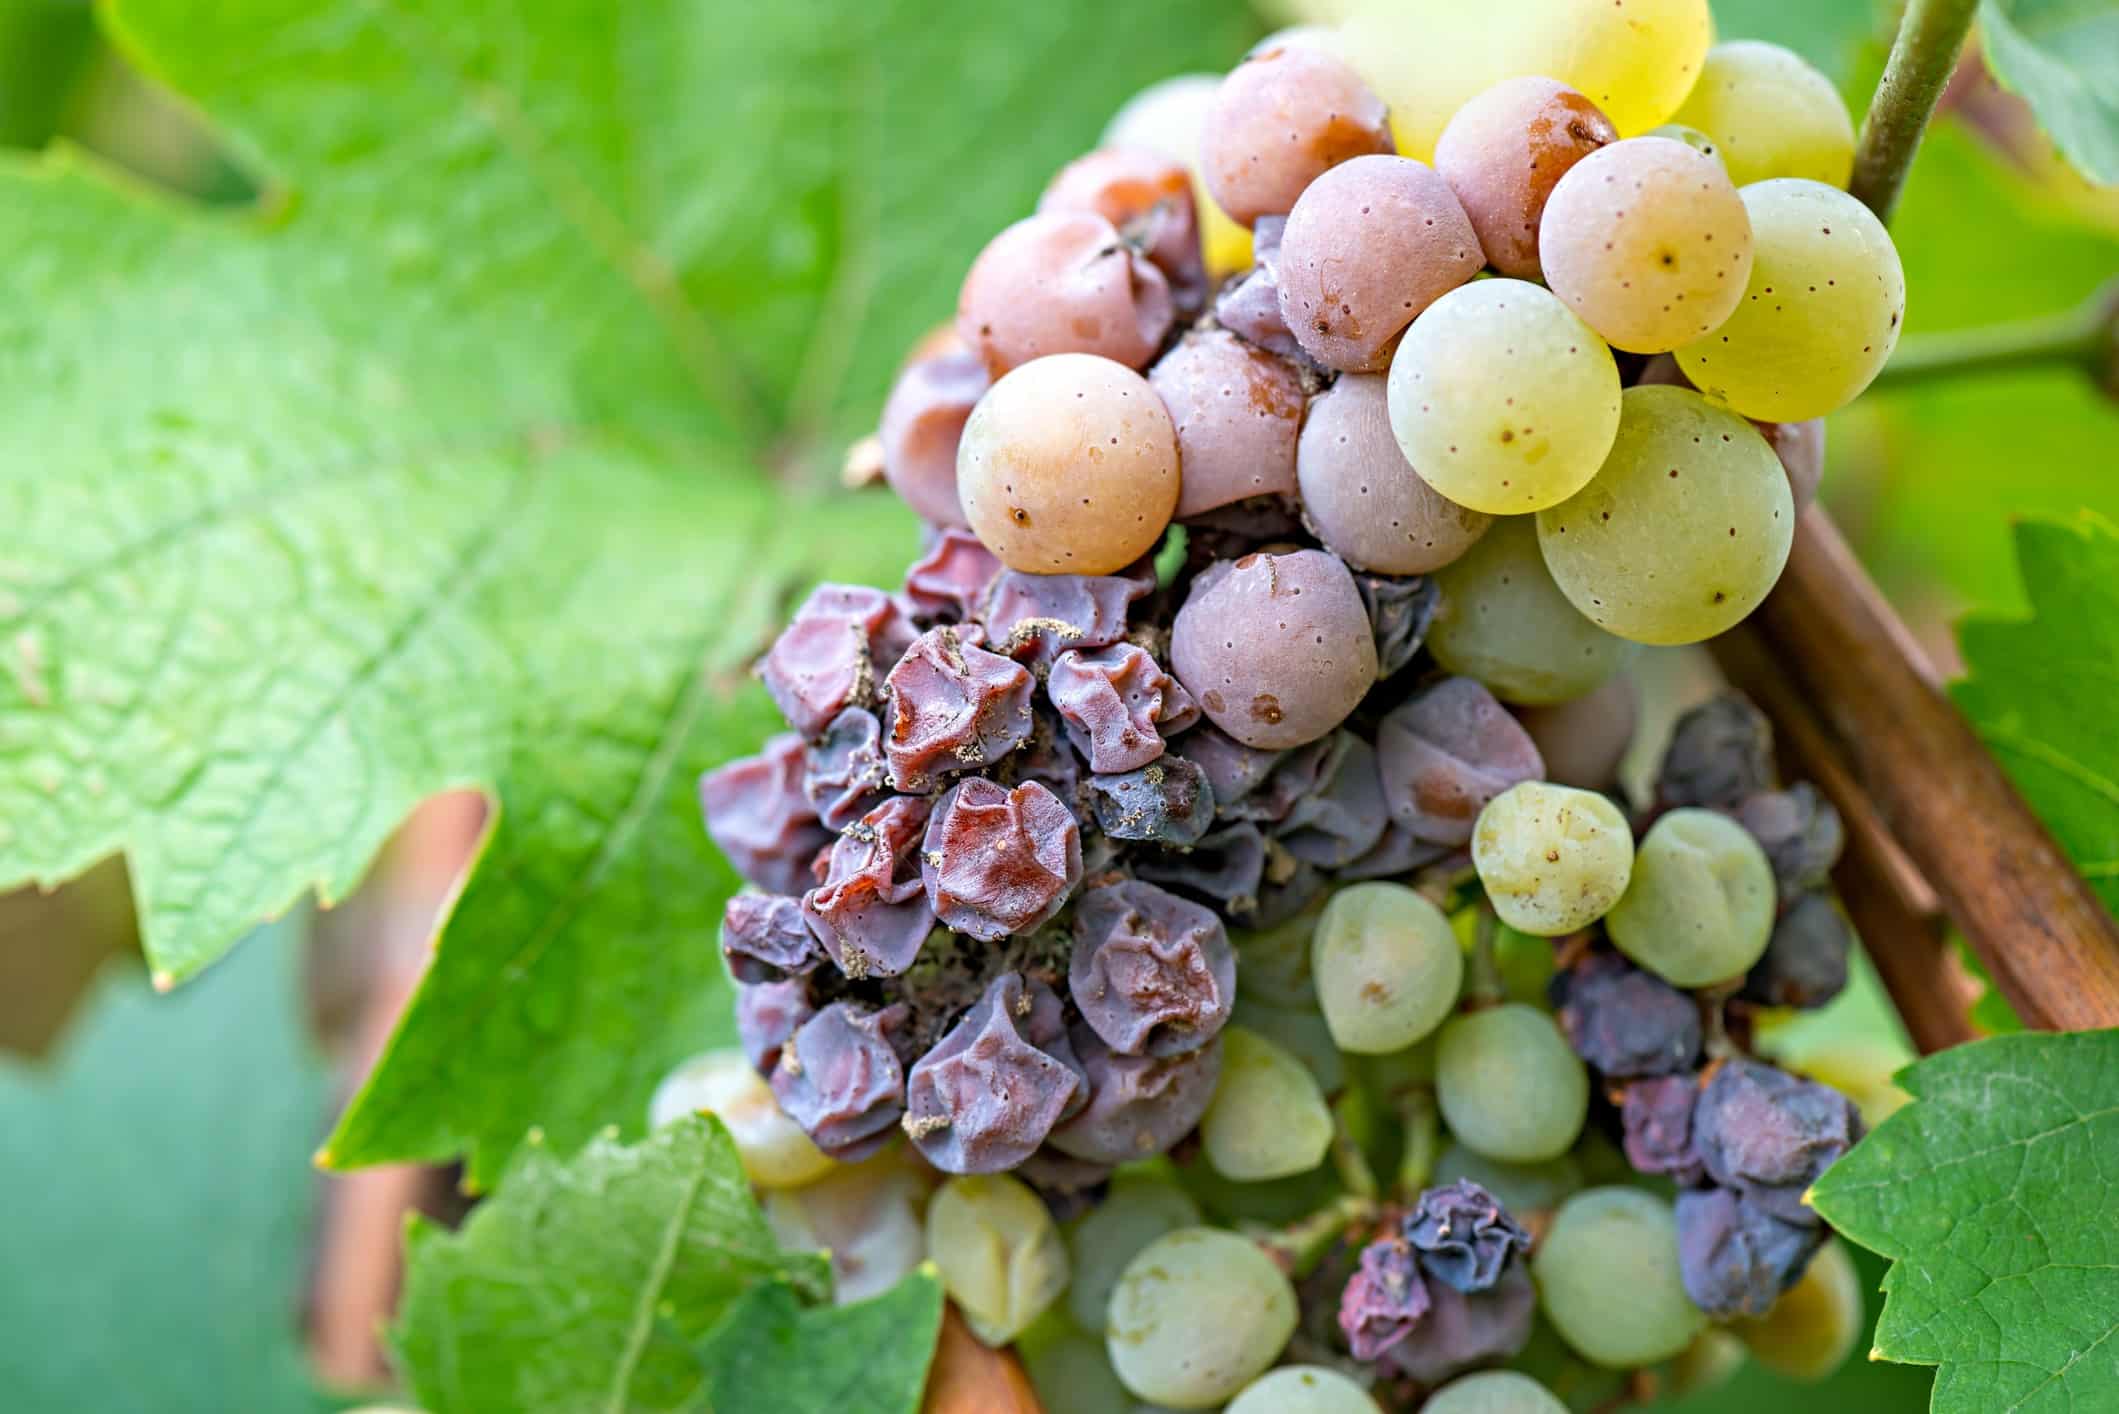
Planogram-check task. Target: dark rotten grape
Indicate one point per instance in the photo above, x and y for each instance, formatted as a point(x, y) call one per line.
point(989, 1092)
point(1225, 865)
point(1344, 816)
point(948, 583)
point(1464, 1237)
point(870, 910)
point(1138, 1105)
point(841, 1079)
point(1444, 754)
point(999, 861)
point(1251, 306)
point(1805, 962)
point(1800, 832)
point(1720, 752)
point(1657, 1115)
point(1036, 617)
point(1400, 612)
point(764, 938)
point(1624, 1021)
point(1152, 973)
point(767, 1014)
point(1771, 1135)
point(1736, 1258)
point(953, 706)
point(1461, 1331)
point(1384, 1299)
point(1118, 704)
point(1166, 802)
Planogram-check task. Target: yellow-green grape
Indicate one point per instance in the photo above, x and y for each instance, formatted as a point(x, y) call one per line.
point(1503, 621)
point(1494, 1392)
point(1303, 1389)
point(1427, 58)
point(1821, 314)
point(1198, 1315)
point(1071, 1370)
point(1554, 859)
point(1710, 1362)
point(1691, 137)
point(1771, 114)
point(1267, 1119)
point(1136, 1211)
point(999, 1254)
point(1700, 907)
point(1502, 399)
point(774, 1150)
point(1684, 530)
point(1300, 1031)
point(1387, 967)
point(1167, 117)
point(1510, 1086)
point(1068, 465)
point(1812, 1329)
point(866, 1215)
point(1607, 1276)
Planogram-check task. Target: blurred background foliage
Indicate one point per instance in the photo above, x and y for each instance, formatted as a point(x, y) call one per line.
point(1923, 477)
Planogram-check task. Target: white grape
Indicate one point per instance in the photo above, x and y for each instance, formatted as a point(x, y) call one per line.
point(1553, 859)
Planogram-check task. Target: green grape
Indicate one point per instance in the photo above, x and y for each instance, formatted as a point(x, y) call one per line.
point(1267, 1119)
point(1303, 1389)
point(1509, 1084)
point(1503, 621)
point(1553, 859)
point(1812, 1329)
point(998, 1252)
point(774, 1150)
point(1691, 137)
point(1501, 398)
point(1494, 1392)
point(1635, 61)
point(1273, 964)
point(1710, 1362)
point(1070, 1370)
point(1387, 967)
point(1683, 531)
point(1771, 115)
point(1820, 316)
point(1198, 1314)
point(1301, 1032)
point(1701, 905)
point(1133, 1214)
point(1607, 1276)
point(1521, 1188)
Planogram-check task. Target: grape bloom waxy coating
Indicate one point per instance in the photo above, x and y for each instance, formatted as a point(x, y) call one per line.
point(1068, 465)
point(1554, 859)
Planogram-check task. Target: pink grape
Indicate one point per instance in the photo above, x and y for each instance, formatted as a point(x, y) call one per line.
point(1236, 408)
point(1148, 197)
point(1504, 152)
point(1063, 282)
point(1363, 497)
point(1284, 117)
point(921, 424)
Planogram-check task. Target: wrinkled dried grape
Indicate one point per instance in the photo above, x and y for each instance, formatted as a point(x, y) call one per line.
point(844, 774)
point(1444, 754)
point(1165, 802)
point(953, 706)
point(1117, 704)
point(1138, 1105)
point(840, 1078)
point(764, 938)
point(922, 421)
point(998, 861)
point(984, 1098)
point(829, 657)
point(870, 911)
point(1152, 973)
point(760, 819)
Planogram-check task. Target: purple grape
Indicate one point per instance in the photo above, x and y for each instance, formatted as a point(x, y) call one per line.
point(829, 656)
point(764, 938)
point(1344, 817)
point(1800, 832)
point(993, 1087)
point(1395, 855)
point(1805, 962)
point(843, 773)
point(953, 706)
point(1152, 973)
point(1296, 773)
point(1138, 1105)
point(1736, 1258)
point(1237, 408)
point(840, 1078)
point(999, 861)
point(1400, 613)
point(1148, 198)
point(1281, 119)
point(870, 911)
point(1771, 1135)
point(1063, 282)
point(1117, 704)
point(947, 584)
point(1050, 759)
point(1720, 752)
point(1233, 769)
point(922, 422)
point(1036, 617)
point(767, 1014)
point(1384, 1299)
point(1463, 1235)
point(1444, 754)
point(1226, 865)
point(1363, 497)
point(1369, 245)
point(1250, 307)
point(1275, 648)
point(1460, 1331)
point(760, 819)
point(1166, 802)
point(1657, 1117)
point(1624, 1021)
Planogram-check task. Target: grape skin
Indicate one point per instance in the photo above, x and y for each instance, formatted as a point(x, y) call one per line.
point(1822, 312)
point(1303, 1389)
point(1147, 197)
point(1553, 859)
point(1682, 532)
point(922, 423)
point(998, 1252)
point(1504, 622)
point(1584, 740)
point(866, 1215)
point(1509, 1085)
point(773, 1149)
point(1701, 905)
point(1505, 150)
point(1062, 282)
point(1236, 409)
point(1197, 1315)
point(1649, 242)
point(1502, 399)
point(1387, 967)
point(1168, 117)
point(1069, 465)
point(1267, 1119)
point(1368, 246)
point(1363, 498)
point(1521, 1188)
point(1494, 1392)
point(1813, 1328)
point(1447, 752)
point(1281, 119)
point(1133, 1214)
point(1610, 1243)
point(1770, 114)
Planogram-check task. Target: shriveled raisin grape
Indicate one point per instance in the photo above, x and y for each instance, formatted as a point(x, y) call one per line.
point(953, 706)
point(998, 861)
point(1151, 972)
point(759, 817)
point(869, 911)
point(984, 1098)
point(833, 654)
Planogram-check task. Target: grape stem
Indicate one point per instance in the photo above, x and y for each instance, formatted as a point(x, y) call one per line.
point(1922, 57)
point(2086, 338)
point(1416, 1161)
point(1352, 1165)
point(1483, 988)
point(1302, 1244)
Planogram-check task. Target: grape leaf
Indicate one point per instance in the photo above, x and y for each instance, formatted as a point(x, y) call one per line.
point(2040, 689)
point(587, 1282)
point(1832, 34)
point(157, 1197)
point(2063, 57)
point(1988, 1193)
point(772, 1356)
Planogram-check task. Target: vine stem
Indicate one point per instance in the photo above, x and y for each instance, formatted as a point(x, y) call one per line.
point(2081, 338)
point(1922, 57)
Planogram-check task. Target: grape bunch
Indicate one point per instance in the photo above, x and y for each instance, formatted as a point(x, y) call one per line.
point(1218, 831)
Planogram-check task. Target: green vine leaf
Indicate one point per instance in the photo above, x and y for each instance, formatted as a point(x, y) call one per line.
point(1987, 1192)
point(2063, 57)
point(643, 1278)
